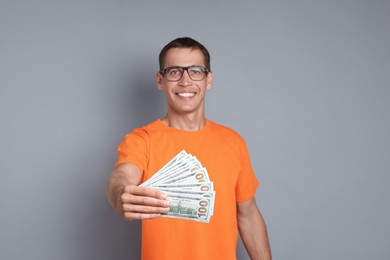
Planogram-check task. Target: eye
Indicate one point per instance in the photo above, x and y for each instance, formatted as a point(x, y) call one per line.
point(174, 71)
point(196, 70)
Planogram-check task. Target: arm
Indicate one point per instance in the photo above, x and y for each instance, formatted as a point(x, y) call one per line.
point(253, 230)
point(131, 201)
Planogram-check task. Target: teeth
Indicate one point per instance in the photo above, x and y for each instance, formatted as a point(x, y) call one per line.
point(186, 94)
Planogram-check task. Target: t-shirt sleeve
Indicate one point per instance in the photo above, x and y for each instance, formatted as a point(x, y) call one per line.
point(134, 149)
point(247, 182)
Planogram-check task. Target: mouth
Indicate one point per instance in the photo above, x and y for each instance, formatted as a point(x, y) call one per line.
point(185, 94)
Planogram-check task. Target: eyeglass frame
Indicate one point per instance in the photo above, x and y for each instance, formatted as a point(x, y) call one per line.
point(206, 70)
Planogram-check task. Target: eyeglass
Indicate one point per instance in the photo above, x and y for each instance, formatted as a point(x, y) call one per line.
point(175, 73)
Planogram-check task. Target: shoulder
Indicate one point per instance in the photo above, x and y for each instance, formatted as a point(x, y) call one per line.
point(140, 134)
point(146, 130)
point(224, 129)
point(226, 133)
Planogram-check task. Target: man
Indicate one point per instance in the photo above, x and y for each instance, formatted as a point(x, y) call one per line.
point(185, 76)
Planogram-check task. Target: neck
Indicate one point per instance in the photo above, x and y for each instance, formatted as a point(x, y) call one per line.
point(187, 122)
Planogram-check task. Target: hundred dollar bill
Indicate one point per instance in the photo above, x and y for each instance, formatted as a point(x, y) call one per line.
point(205, 189)
point(193, 195)
point(197, 209)
point(181, 156)
point(187, 185)
point(184, 169)
point(190, 177)
point(184, 161)
point(200, 186)
point(189, 194)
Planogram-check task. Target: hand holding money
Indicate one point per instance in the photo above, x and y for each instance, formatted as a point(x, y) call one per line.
point(187, 186)
point(143, 202)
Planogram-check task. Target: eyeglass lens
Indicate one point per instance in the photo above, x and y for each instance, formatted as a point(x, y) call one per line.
point(176, 73)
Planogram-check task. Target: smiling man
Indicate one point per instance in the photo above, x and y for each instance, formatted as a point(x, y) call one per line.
point(185, 76)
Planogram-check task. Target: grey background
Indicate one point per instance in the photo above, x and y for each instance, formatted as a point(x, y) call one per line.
point(306, 83)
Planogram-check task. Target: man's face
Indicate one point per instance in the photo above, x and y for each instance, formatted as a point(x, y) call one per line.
point(186, 95)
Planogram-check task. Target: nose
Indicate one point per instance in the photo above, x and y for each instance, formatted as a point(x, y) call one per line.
point(185, 79)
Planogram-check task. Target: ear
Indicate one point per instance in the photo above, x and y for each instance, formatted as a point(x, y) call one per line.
point(159, 81)
point(209, 80)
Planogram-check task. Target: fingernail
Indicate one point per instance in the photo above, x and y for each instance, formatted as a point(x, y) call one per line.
point(163, 196)
point(167, 203)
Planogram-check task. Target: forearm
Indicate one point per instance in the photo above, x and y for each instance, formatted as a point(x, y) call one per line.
point(254, 233)
point(119, 178)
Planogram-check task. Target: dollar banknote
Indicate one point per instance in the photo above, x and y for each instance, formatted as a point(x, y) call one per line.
point(184, 207)
point(187, 185)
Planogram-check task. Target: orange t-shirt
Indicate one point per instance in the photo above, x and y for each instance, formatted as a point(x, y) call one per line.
point(224, 154)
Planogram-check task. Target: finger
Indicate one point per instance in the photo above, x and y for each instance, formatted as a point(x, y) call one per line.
point(132, 215)
point(144, 209)
point(145, 191)
point(142, 200)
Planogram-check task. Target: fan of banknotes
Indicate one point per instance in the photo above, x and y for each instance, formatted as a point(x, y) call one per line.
point(187, 185)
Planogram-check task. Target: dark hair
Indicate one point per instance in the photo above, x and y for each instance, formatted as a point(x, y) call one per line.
point(184, 42)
